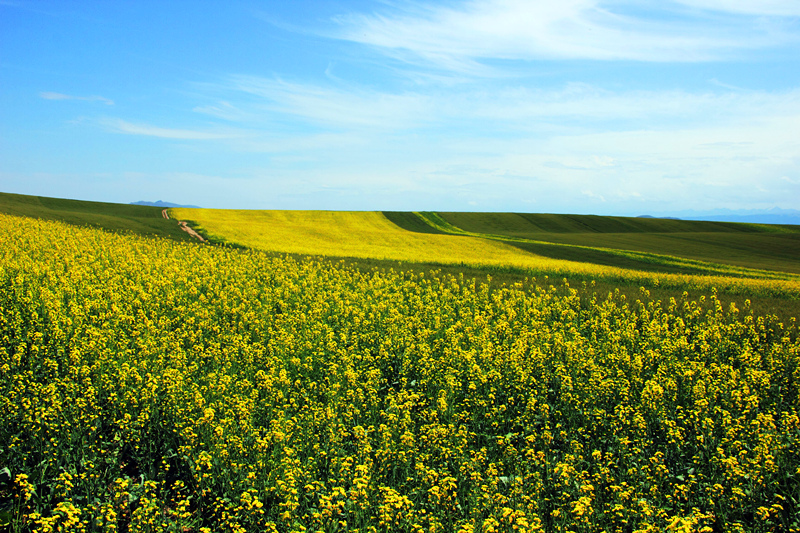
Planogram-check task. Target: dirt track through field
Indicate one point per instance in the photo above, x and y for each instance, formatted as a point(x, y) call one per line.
point(185, 227)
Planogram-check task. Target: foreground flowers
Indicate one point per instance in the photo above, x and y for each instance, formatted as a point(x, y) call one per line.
point(154, 386)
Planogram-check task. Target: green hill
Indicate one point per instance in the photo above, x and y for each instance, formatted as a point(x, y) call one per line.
point(535, 223)
point(759, 246)
point(143, 220)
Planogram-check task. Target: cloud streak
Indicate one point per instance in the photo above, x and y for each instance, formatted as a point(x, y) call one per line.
point(459, 37)
point(59, 96)
point(121, 126)
point(225, 111)
point(507, 111)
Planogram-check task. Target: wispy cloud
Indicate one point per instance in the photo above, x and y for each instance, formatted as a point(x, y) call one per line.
point(696, 149)
point(59, 96)
point(223, 110)
point(507, 111)
point(330, 106)
point(121, 126)
point(461, 36)
point(470, 144)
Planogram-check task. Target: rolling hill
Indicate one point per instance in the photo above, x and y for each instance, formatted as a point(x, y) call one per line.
point(142, 220)
point(616, 249)
point(759, 246)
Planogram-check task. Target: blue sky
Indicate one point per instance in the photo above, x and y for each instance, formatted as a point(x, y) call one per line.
point(581, 106)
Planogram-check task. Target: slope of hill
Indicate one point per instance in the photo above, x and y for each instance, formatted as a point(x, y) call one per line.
point(143, 220)
point(360, 234)
point(739, 258)
point(759, 246)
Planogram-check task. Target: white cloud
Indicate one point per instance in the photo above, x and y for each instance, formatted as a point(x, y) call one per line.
point(591, 194)
point(121, 126)
point(59, 96)
point(459, 36)
point(603, 161)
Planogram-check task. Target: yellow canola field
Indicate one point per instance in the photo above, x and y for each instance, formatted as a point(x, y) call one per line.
point(365, 234)
point(149, 385)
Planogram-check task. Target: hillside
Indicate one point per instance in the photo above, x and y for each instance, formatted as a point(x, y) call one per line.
point(758, 246)
point(359, 234)
point(676, 255)
point(142, 220)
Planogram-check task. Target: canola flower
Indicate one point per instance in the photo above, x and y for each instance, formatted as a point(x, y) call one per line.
point(150, 385)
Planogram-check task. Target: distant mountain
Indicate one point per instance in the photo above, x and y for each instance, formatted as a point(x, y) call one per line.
point(793, 220)
point(162, 204)
point(752, 216)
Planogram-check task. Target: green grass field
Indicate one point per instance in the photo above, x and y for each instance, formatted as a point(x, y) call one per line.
point(758, 246)
point(139, 219)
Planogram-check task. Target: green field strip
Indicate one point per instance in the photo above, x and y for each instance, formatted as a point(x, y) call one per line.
point(436, 221)
point(764, 252)
point(526, 224)
point(646, 261)
point(776, 252)
point(412, 222)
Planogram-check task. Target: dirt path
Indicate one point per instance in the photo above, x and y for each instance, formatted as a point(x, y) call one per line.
point(185, 227)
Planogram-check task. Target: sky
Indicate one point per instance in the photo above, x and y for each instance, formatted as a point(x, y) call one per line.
point(618, 107)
